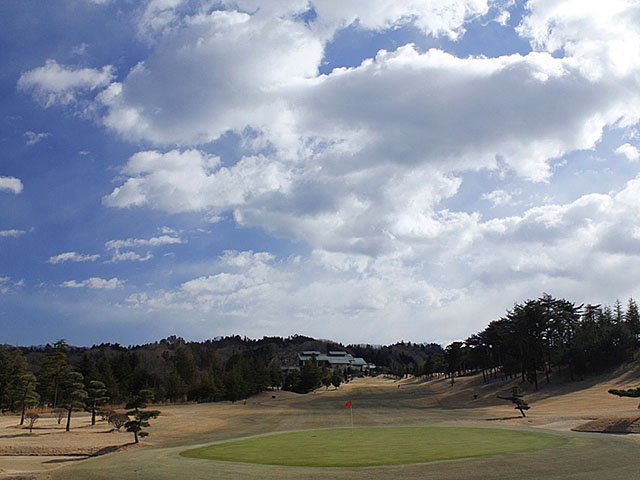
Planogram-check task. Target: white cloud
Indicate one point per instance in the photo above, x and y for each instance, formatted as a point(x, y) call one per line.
point(33, 138)
point(144, 242)
point(632, 153)
point(7, 284)
point(225, 62)
point(193, 180)
point(11, 233)
point(94, 283)
point(436, 284)
point(129, 257)
point(169, 237)
point(498, 198)
point(72, 257)
point(56, 84)
point(11, 184)
point(603, 37)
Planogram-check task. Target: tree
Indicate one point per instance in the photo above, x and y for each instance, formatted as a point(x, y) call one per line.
point(632, 319)
point(632, 392)
point(517, 399)
point(54, 368)
point(118, 420)
point(32, 418)
point(275, 375)
point(336, 379)
point(59, 414)
point(140, 415)
point(20, 384)
point(96, 396)
point(25, 387)
point(72, 394)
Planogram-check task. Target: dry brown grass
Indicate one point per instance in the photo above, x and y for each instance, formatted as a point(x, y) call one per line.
point(376, 401)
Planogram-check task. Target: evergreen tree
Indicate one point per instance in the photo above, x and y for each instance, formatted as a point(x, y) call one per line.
point(54, 368)
point(275, 375)
point(632, 319)
point(19, 392)
point(517, 399)
point(72, 394)
point(141, 416)
point(96, 396)
point(336, 379)
point(24, 389)
point(632, 392)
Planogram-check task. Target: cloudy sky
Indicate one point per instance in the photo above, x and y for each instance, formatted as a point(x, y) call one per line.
point(365, 170)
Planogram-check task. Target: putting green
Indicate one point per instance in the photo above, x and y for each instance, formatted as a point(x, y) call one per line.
point(371, 446)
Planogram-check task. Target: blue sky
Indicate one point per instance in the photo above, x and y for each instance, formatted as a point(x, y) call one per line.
point(364, 171)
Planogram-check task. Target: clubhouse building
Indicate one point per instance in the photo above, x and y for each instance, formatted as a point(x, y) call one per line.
point(336, 360)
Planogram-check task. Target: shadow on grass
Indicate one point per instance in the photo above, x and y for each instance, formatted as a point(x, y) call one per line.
point(504, 418)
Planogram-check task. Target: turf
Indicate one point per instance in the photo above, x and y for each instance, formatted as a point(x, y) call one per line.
point(375, 446)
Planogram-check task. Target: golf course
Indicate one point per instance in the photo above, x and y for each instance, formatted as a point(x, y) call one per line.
point(409, 428)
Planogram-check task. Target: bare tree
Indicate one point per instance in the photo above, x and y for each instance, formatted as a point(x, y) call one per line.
point(118, 420)
point(59, 414)
point(32, 418)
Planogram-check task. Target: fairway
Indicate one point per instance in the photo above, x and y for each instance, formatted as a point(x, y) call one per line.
point(375, 446)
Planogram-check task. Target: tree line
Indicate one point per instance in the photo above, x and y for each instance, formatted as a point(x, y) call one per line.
point(538, 336)
point(530, 340)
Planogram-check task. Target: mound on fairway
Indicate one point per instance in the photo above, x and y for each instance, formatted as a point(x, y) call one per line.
point(372, 446)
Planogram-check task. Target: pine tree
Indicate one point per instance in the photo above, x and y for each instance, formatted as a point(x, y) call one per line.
point(53, 370)
point(632, 319)
point(140, 415)
point(72, 394)
point(20, 389)
point(96, 396)
point(517, 399)
point(25, 391)
point(632, 392)
point(275, 375)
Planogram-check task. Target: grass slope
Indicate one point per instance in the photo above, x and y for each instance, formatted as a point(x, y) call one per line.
point(375, 446)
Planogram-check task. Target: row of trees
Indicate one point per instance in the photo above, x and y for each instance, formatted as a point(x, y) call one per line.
point(539, 335)
point(117, 376)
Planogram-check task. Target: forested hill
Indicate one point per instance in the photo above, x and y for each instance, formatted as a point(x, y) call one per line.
point(530, 341)
point(225, 368)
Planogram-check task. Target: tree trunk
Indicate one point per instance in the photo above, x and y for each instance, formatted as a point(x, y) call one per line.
point(69, 419)
point(93, 414)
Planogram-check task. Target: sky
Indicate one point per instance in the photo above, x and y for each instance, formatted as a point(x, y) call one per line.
point(366, 171)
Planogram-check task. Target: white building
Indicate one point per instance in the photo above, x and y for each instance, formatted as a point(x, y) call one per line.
point(336, 360)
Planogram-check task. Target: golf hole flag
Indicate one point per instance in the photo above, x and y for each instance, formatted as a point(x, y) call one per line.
point(349, 403)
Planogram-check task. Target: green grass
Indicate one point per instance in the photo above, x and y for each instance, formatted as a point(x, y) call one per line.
point(375, 446)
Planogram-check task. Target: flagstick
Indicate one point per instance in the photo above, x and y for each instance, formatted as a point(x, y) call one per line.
point(351, 410)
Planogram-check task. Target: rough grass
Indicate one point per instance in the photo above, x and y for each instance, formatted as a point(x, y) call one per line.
point(375, 446)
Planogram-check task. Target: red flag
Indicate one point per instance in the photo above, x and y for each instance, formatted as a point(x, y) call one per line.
point(349, 403)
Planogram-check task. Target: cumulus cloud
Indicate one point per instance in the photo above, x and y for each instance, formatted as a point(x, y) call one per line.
point(94, 283)
point(556, 248)
point(11, 184)
point(192, 180)
point(57, 84)
point(603, 38)
point(72, 257)
point(224, 62)
point(632, 153)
